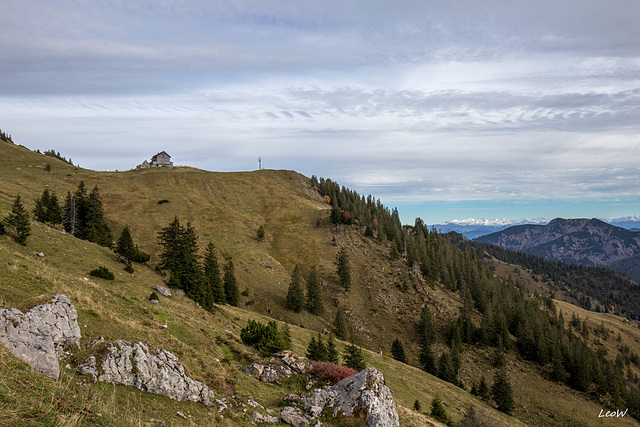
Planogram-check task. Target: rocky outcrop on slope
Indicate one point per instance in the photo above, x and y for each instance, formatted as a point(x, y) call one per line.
point(147, 368)
point(41, 335)
point(282, 365)
point(363, 391)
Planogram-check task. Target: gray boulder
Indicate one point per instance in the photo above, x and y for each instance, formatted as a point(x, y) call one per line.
point(164, 291)
point(150, 369)
point(292, 416)
point(41, 335)
point(364, 390)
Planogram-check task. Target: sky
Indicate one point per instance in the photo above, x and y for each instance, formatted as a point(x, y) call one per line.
point(444, 109)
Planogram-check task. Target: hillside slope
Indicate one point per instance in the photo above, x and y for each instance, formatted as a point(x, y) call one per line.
point(384, 302)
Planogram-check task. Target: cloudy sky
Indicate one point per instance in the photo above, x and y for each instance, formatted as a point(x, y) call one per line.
point(445, 109)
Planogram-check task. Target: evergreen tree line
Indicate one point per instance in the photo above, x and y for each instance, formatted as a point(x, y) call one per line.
point(611, 288)
point(5, 137)
point(83, 216)
point(349, 207)
point(507, 309)
point(201, 281)
point(52, 153)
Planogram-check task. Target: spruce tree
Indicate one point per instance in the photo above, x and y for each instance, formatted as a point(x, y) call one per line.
point(295, 294)
point(339, 325)
point(397, 351)
point(40, 210)
point(354, 358)
point(483, 389)
point(95, 227)
point(212, 278)
point(125, 246)
point(316, 350)
point(54, 210)
point(230, 285)
point(332, 352)
point(343, 269)
point(80, 203)
point(502, 392)
point(446, 370)
point(260, 233)
point(170, 238)
point(438, 411)
point(428, 359)
point(315, 304)
point(18, 219)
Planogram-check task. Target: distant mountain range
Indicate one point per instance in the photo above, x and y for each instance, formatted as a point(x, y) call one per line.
point(590, 242)
point(472, 228)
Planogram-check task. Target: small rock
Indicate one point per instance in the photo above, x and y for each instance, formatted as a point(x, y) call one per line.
point(40, 254)
point(325, 331)
point(163, 326)
point(164, 291)
point(253, 403)
point(97, 341)
point(179, 292)
point(153, 420)
point(181, 415)
point(259, 418)
point(215, 359)
point(154, 301)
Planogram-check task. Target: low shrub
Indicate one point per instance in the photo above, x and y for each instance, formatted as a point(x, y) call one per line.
point(267, 339)
point(330, 372)
point(154, 296)
point(163, 201)
point(103, 273)
point(129, 268)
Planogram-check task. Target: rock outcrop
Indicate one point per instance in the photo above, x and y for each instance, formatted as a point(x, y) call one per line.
point(282, 365)
point(147, 368)
point(41, 335)
point(364, 391)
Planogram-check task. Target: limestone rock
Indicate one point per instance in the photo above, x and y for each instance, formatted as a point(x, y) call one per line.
point(364, 390)
point(164, 291)
point(292, 416)
point(283, 365)
point(41, 335)
point(259, 418)
point(151, 369)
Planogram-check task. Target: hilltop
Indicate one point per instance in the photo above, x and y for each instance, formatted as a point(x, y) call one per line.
point(389, 291)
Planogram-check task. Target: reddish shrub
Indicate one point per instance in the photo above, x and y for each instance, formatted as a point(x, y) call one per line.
point(331, 372)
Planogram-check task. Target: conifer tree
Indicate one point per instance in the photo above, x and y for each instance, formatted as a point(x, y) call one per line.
point(446, 369)
point(54, 210)
point(438, 411)
point(125, 246)
point(212, 278)
point(230, 285)
point(428, 359)
point(80, 203)
point(18, 219)
point(502, 392)
point(354, 358)
point(95, 227)
point(483, 389)
point(295, 294)
point(343, 269)
point(332, 352)
point(397, 351)
point(40, 210)
point(315, 304)
point(71, 220)
point(339, 325)
point(317, 350)
point(170, 238)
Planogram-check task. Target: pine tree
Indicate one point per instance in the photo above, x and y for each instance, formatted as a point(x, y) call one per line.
point(54, 210)
point(438, 411)
point(502, 393)
point(212, 278)
point(483, 389)
point(295, 294)
point(315, 304)
point(180, 258)
point(80, 203)
point(397, 351)
point(446, 369)
point(95, 227)
point(428, 359)
point(125, 246)
point(354, 358)
point(339, 325)
point(343, 268)
point(332, 352)
point(417, 406)
point(170, 238)
point(426, 329)
point(40, 210)
point(317, 350)
point(230, 286)
point(18, 219)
